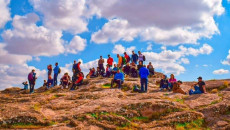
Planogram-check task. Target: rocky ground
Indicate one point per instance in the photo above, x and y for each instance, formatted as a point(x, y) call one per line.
point(94, 106)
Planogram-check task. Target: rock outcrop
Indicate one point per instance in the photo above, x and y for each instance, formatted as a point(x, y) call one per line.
point(95, 106)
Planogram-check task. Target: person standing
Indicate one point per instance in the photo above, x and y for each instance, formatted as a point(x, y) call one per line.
point(32, 78)
point(101, 62)
point(56, 72)
point(141, 57)
point(134, 57)
point(144, 73)
point(127, 57)
point(110, 61)
point(120, 61)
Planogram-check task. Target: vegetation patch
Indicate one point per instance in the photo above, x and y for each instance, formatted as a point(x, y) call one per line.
point(197, 124)
point(106, 86)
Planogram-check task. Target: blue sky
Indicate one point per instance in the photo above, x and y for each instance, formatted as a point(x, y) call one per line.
point(35, 33)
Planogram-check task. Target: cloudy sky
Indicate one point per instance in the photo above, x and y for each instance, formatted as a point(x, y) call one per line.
point(188, 38)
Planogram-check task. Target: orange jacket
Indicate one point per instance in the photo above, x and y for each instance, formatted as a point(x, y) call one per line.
point(119, 61)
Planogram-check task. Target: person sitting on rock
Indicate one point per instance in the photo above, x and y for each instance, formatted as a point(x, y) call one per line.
point(177, 88)
point(144, 73)
point(140, 65)
point(164, 83)
point(50, 82)
point(92, 73)
point(25, 85)
point(118, 79)
point(199, 87)
point(126, 69)
point(79, 81)
point(65, 80)
point(133, 70)
point(151, 69)
point(115, 68)
point(172, 80)
point(45, 83)
point(108, 71)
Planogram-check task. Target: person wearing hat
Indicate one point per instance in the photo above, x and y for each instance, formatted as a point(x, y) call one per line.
point(176, 87)
point(199, 87)
point(110, 61)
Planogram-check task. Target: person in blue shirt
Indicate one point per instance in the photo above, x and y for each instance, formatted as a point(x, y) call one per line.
point(115, 68)
point(25, 85)
point(56, 72)
point(144, 73)
point(164, 83)
point(134, 57)
point(118, 79)
point(199, 87)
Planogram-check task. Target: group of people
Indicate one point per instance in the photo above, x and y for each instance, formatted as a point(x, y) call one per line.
point(126, 67)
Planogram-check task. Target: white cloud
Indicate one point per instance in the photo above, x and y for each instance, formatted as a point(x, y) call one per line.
point(76, 45)
point(185, 60)
point(205, 49)
point(227, 61)
point(119, 49)
point(166, 22)
point(65, 15)
point(14, 75)
point(205, 65)
point(220, 72)
point(149, 47)
point(114, 31)
point(28, 39)
point(5, 12)
point(12, 59)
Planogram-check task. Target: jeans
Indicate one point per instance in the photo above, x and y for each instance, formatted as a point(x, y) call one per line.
point(31, 86)
point(171, 86)
point(119, 82)
point(144, 82)
point(55, 79)
point(101, 67)
point(197, 91)
point(164, 86)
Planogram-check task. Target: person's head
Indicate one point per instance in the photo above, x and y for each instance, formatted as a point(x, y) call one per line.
point(172, 76)
point(44, 81)
point(108, 55)
point(164, 76)
point(179, 82)
point(115, 65)
point(33, 70)
point(118, 55)
point(100, 57)
point(79, 62)
point(108, 65)
point(125, 53)
point(74, 61)
point(127, 64)
point(144, 65)
point(150, 63)
point(50, 77)
point(118, 70)
point(26, 82)
point(133, 52)
point(199, 79)
point(66, 74)
point(140, 63)
point(56, 64)
point(139, 52)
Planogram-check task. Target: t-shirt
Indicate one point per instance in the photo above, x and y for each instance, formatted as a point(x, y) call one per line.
point(141, 57)
point(201, 86)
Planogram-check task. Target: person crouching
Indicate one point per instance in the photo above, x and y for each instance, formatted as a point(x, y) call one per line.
point(118, 79)
point(78, 82)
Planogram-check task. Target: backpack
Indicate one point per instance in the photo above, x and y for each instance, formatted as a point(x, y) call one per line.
point(59, 71)
point(123, 60)
point(143, 58)
point(30, 76)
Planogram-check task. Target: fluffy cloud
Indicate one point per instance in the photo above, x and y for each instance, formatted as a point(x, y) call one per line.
point(29, 39)
point(170, 61)
point(227, 61)
point(119, 49)
point(65, 15)
point(5, 12)
point(149, 47)
point(220, 72)
point(14, 75)
point(165, 22)
point(76, 45)
point(12, 59)
point(114, 31)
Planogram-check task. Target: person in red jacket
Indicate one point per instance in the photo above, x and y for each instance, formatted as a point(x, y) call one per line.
point(110, 61)
point(127, 57)
point(78, 82)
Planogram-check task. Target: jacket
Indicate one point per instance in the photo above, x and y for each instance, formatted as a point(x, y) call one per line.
point(110, 61)
point(119, 61)
point(134, 57)
point(56, 69)
point(119, 76)
point(144, 73)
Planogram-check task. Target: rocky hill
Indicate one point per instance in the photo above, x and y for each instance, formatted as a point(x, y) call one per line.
point(95, 106)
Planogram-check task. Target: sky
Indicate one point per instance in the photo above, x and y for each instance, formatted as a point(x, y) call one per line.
point(188, 38)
